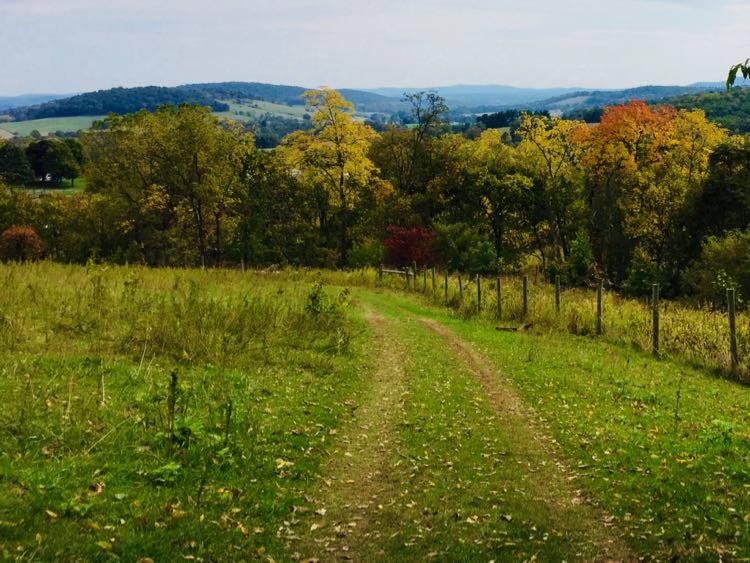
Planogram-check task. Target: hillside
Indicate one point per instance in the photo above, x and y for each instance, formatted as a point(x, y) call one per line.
point(128, 100)
point(470, 96)
point(292, 95)
point(10, 102)
point(728, 109)
point(116, 100)
point(600, 98)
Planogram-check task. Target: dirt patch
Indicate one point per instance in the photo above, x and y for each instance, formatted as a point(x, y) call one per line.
point(357, 489)
point(551, 478)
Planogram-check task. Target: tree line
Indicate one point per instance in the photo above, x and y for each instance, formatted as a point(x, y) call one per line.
point(650, 195)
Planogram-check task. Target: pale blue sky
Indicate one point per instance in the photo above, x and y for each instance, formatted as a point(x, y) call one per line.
point(80, 45)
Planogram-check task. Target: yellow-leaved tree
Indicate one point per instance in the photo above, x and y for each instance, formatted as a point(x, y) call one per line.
point(547, 150)
point(332, 160)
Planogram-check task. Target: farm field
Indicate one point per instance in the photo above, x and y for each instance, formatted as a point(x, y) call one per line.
point(259, 108)
point(50, 125)
point(221, 415)
point(250, 110)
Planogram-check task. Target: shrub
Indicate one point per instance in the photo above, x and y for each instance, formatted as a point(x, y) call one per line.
point(643, 273)
point(369, 252)
point(722, 264)
point(405, 246)
point(580, 267)
point(21, 244)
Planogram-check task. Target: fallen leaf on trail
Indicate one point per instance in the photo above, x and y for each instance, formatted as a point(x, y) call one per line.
point(104, 544)
point(321, 512)
point(51, 514)
point(506, 517)
point(315, 527)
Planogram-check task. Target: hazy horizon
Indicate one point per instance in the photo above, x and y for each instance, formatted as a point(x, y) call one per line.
point(68, 46)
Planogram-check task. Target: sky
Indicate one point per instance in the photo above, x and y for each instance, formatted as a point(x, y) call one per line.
point(65, 46)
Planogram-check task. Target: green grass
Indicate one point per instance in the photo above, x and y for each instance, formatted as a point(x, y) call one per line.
point(39, 188)
point(699, 336)
point(100, 457)
point(662, 446)
point(470, 486)
point(50, 125)
point(89, 465)
point(259, 108)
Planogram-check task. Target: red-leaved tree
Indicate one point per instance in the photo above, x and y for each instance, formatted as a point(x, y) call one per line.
point(20, 243)
point(406, 246)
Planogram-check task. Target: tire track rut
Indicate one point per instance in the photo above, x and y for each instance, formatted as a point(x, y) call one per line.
point(357, 487)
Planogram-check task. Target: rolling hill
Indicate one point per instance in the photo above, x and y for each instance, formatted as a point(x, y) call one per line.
point(467, 96)
point(128, 100)
point(253, 101)
point(10, 102)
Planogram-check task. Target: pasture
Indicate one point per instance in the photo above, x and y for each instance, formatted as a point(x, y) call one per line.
point(50, 125)
point(222, 415)
point(254, 109)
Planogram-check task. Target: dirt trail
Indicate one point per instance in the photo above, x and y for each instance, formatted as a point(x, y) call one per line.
point(351, 512)
point(552, 480)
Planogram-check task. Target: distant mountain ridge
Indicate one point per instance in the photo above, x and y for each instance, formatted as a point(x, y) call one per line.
point(128, 100)
point(10, 102)
point(473, 95)
point(461, 98)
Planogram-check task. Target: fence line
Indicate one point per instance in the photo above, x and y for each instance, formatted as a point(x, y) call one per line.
point(695, 334)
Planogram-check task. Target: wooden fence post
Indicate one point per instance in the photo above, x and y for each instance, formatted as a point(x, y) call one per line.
point(479, 294)
point(433, 279)
point(732, 329)
point(446, 284)
point(525, 295)
point(557, 293)
point(499, 299)
point(460, 287)
point(655, 319)
point(406, 277)
point(599, 285)
point(424, 280)
point(380, 274)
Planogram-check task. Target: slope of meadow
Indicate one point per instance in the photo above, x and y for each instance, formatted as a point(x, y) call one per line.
point(224, 415)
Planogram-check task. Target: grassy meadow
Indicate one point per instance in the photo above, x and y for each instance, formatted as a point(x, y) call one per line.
point(254, 109)
point(695, 335)
point(50, 125)
point(163, 413)
point(221, 415)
